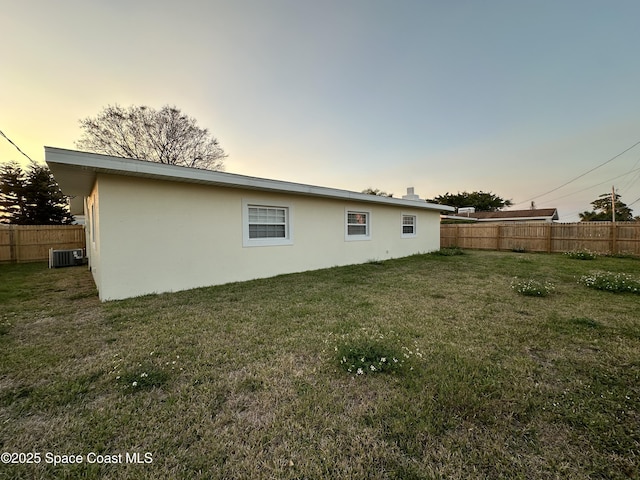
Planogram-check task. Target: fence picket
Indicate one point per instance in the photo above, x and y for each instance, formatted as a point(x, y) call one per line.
point(598, 237)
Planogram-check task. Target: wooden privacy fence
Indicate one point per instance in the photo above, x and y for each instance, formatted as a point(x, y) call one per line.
point(598, 237)
point(31, 243)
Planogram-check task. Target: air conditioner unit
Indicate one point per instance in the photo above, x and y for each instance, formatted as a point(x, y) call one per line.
point(65, 258)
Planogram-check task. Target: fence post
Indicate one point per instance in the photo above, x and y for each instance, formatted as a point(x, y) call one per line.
point(614, 239)
point(13, 255)
point(549, 226)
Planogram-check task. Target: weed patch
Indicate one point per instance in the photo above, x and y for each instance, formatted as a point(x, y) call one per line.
point(581, 255)
point(150, 373)
point(583, 322)
point(611, 282)
point(367, 353)
point(532, 288)
point(142, 378)
point(5, 326)
point(448, 252)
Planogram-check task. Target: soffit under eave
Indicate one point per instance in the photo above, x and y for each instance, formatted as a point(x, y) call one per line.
point(73, 180)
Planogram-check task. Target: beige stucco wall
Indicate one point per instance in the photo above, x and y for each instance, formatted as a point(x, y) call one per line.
point(157, 236)
point(92, 230)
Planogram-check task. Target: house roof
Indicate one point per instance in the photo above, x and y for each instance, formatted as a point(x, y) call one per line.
point(76, 173)
point(531, 214)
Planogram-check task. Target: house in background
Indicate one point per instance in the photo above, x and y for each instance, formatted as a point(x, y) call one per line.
point(155, 228)
point(546, 215)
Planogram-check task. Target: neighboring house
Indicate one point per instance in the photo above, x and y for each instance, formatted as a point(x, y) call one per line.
point(532, 215)
point(547, 215)
point(155, 228)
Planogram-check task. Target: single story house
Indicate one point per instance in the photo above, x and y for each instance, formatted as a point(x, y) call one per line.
point(155, 228)
point(546, 215)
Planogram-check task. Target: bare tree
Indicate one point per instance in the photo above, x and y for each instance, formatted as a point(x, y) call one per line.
point(164, 136)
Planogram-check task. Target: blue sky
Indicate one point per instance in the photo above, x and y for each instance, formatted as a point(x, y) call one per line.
point(512, 97)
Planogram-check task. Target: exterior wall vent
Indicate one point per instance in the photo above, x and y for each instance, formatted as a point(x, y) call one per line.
point(65, 258)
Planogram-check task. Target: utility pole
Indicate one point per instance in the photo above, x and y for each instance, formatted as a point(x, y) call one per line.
point(613, 204)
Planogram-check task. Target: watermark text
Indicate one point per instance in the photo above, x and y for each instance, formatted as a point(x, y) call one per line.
point(51, 458)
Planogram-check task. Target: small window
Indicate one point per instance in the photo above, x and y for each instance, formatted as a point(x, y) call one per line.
point(408, 225)
point(358, 225)
point(266, 225)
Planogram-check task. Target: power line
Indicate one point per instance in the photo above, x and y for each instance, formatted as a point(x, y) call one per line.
point(633, 179)
point(635, 201)
point(17, 147)
point(582, 175)
point(635, 170)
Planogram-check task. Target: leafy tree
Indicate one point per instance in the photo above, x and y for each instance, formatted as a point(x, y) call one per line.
point(482, 201)
point(602, 211)
point(164, 136)
point(32, 197)
point(377, 191)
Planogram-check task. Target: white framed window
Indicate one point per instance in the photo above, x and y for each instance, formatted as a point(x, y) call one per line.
point(408, 226)
point(264, 224)
point(358, 225)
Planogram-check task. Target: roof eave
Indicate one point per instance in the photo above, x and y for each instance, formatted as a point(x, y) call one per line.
point(76, 172)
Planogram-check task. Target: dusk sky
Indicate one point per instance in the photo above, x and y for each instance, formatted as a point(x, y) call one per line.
point(510, 97)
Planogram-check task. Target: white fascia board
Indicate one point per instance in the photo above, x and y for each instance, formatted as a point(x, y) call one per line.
point(58, 159)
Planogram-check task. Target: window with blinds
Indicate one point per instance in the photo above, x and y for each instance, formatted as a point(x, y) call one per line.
point(267, 222)
point(408, 225)
point(266, 225)
point(358, 225)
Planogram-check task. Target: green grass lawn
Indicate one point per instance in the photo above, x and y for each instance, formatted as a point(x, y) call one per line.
point(251, 380)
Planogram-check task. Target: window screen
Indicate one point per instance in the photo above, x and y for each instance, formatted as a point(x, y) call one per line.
point(267, 222)
point(358, 223)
